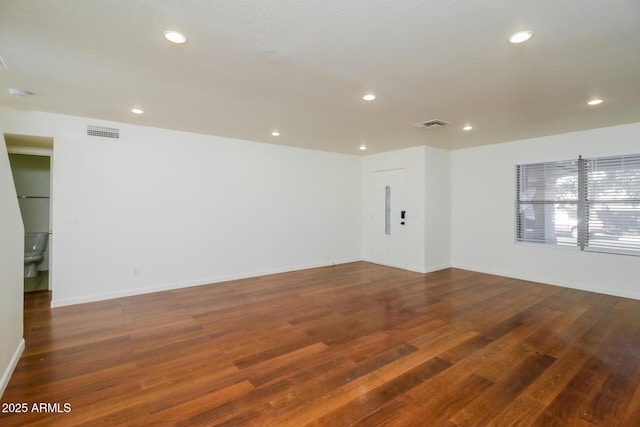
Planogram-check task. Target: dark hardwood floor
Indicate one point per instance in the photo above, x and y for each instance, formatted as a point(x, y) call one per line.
point(355, 344)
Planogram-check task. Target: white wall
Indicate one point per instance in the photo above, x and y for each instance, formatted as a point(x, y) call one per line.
point(428, 203)
point(11, 272)
point(483, 237)
point(437, 235)
point(161, 209)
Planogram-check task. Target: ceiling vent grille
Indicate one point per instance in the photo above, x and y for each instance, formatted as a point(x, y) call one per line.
point(432, 124)
point(103, 132)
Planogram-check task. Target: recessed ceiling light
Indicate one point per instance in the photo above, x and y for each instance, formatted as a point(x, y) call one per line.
point(175, 37)
point(137, 111)
point(275, 133)
point(520, 37)
point(369, 97)
point(20, 93)
point(467, 127)
point(595, 102)
point(363, 147)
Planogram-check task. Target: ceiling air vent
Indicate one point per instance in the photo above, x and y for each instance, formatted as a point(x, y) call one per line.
point(103, 132)
point(432, 124)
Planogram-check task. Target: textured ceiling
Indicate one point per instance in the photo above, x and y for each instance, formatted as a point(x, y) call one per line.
point(301, 67)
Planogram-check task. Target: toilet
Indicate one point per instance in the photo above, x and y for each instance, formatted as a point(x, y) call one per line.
point(34, 247)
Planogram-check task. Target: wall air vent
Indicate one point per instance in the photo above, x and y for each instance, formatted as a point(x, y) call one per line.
point(432, 124)
point(103, 132)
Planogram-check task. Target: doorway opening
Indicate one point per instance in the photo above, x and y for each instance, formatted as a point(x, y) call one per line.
point(30, 159)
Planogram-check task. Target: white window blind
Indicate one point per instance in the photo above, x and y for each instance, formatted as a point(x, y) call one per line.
point(547, 202)
point(613, 203)
point(593, 204)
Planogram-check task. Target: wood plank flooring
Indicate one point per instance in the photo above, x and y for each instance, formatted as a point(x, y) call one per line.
point(355, 344)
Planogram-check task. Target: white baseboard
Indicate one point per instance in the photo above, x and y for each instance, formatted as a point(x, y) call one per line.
point(6, 375)
point(549, 281)
point(416, 269)
point(433, 268)
point(179, 285)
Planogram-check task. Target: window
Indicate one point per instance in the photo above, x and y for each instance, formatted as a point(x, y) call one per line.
point(612, 199)
point(547, 199)
point(593, 204)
